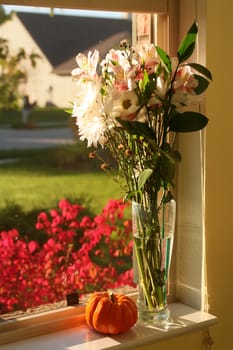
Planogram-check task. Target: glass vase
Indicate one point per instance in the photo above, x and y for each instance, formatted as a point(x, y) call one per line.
point(153, 243)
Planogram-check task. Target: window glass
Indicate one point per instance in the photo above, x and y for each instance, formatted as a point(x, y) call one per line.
point(189, 290)
point(71, 248)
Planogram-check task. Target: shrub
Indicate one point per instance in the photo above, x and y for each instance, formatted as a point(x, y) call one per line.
point(81, 254)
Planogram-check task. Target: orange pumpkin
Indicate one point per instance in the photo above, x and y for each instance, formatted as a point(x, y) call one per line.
point(110, 313)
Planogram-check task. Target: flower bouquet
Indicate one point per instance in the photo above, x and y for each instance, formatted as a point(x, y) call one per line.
point(133, 103)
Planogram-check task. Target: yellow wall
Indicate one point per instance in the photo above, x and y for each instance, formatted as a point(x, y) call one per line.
point(219, 189)
point(219, 178)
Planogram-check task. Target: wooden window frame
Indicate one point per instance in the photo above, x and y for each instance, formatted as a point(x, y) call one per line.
point(193, 319)
point(159, 6)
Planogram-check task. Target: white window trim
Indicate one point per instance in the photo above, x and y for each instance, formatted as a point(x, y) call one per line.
point(190, 254)
point(66, 328)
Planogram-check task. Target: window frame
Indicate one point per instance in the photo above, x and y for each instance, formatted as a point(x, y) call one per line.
point(168, 26)
point(159, 6)
point(44, 329)
point(195, 9)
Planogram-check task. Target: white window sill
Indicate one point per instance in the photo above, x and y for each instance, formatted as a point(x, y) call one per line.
point(66, 330)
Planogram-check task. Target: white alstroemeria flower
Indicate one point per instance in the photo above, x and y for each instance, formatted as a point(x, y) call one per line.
point(125, 105)
point(161, 88)
point(115, 58)
point(147, 55)
point(181, 99)
point(118, 66)
point(87, 66)
point(185, 81)
point(184, 89)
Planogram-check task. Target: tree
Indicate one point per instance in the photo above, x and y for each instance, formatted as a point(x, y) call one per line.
point(12, 73)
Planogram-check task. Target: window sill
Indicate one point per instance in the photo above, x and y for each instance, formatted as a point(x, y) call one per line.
point(66, 329)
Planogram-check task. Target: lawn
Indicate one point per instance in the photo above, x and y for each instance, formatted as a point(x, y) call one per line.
point(41, 177)
point(34, 190)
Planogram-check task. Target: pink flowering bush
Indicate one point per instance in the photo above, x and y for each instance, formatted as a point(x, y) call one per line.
point(81, 254)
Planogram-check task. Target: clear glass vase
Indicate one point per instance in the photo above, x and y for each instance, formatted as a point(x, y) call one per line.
point(153, 243)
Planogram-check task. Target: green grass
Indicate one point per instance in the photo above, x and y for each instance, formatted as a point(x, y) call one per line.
point(42, 177)
point(33, 190)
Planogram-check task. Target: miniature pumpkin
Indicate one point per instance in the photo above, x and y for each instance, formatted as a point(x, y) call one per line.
point(110, 313)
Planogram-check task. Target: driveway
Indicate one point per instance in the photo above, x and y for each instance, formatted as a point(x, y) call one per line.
point(34, 138)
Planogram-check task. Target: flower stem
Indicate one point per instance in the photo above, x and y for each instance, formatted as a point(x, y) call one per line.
point(143, 274)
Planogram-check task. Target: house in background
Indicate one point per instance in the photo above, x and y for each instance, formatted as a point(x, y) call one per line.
point(58, 40)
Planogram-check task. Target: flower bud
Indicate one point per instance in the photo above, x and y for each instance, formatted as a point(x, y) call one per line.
point(104, 166)
point(128, 152)
point(120, 146)
point(92, 155)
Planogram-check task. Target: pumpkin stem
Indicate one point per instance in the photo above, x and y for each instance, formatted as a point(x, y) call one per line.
point(112, 297)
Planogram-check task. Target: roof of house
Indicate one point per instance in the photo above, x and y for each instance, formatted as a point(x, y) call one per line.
point(61, 38)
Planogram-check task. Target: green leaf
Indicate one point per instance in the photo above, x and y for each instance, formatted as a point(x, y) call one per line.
point(172, 155)
point(147, 86)
point(144, 81)
point(202, 84)
point(167, 169)
point(187, 46)
point(176, 156)
point(166, 147)
point(165, 58)
point(69, 110)
point(187, 122)
point(201, 69)
point(129, 196)
point(150, 87)
point(137, 128)
point(143, 177)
